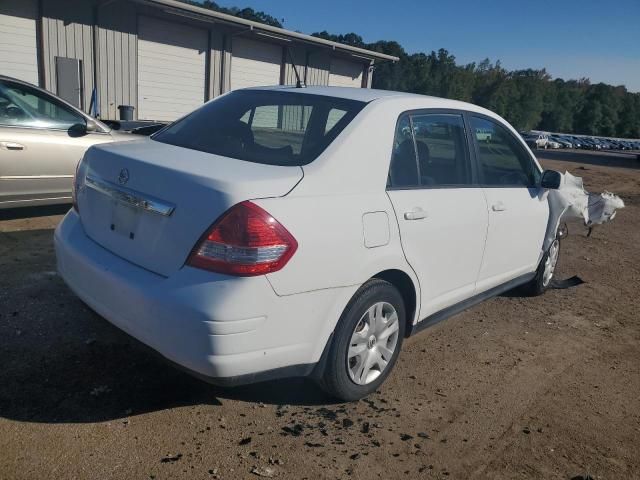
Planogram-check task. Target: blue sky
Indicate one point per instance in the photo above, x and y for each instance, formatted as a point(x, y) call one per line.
point(571, 38)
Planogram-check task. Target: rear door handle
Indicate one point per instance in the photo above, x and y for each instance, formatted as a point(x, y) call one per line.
point(415, 214)
point(498, 207)
point(11, 146)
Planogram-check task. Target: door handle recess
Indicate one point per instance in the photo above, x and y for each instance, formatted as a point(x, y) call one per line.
point(498, 207)
point(11, 146)
point(415, 214)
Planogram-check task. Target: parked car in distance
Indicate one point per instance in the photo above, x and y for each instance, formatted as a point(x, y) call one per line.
point(42, 138)
point(575, 141)
point(563, 142)
point(244, 244)
point(551, 143)
point(590, 144)
point(604, 144)
point(537, 140)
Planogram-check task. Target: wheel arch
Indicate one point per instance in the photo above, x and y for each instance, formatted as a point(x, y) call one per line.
point(405, 285)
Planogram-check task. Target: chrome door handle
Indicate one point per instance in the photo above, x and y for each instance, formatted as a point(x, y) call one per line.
point(498, 207)
point(11, 146)
point(415, 214)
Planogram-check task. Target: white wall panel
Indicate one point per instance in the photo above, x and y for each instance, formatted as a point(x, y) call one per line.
point(171, 69)
point(344, 73)
point(255, 63)
point(18, 52)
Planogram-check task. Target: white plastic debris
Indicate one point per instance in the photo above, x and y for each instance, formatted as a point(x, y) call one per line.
point(602, 208)
point(592, 208)
point(571, 200)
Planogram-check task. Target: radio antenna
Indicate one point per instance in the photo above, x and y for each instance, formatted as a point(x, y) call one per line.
point(299, 83)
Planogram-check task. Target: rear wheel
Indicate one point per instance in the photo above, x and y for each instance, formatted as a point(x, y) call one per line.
point(366, 342)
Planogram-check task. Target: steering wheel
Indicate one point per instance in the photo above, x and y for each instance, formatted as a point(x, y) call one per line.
point(235, 137)
point(12, 111)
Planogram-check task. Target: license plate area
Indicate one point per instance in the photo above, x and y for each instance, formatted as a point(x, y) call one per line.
point(125, 219)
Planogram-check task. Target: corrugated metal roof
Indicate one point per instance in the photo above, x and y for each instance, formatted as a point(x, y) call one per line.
point(200, 13)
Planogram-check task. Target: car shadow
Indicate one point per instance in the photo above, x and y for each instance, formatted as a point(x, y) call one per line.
point(29, 212)
point(63, 363)
point(95, 380)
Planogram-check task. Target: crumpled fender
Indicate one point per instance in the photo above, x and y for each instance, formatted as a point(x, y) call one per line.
point(571, 200)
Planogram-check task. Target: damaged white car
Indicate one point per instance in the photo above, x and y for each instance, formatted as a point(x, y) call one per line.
point(307, 231)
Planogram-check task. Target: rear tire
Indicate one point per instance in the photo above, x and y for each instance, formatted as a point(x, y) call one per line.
point(366, 342)
point(545, 272)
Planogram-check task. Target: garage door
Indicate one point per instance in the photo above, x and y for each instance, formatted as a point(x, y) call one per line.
point(345, 74)
point(255, 63)
point(171, 69)
point(18, 54)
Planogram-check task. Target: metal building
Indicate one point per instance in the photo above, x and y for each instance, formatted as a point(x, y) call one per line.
point(162, 57)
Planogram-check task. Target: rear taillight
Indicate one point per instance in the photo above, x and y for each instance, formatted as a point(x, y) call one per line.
point(244, 241)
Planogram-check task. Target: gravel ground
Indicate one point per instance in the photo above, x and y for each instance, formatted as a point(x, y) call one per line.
point(516, 387)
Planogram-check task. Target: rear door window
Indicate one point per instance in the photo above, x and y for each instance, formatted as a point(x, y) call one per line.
point(430, 150)
point(403, 172)
point(441, 145)
point(264, 126)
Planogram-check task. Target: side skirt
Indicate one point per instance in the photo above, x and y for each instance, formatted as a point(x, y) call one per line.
point(437, 317)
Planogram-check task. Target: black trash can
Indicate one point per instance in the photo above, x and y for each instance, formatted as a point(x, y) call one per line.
point(126, 112)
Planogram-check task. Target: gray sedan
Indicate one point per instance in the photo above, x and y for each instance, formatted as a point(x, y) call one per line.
point(42, 137)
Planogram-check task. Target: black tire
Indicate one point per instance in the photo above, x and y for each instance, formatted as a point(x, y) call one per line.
point(537, 286)
point(335, 379)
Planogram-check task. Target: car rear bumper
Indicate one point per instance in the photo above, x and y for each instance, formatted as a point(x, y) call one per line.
point(223, 328)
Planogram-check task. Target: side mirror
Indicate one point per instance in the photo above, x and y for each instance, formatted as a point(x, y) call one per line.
point(91, 126)
point(551, 179)
point(81, 129)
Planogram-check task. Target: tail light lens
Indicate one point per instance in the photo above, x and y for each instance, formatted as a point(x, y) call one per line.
point(245, 241)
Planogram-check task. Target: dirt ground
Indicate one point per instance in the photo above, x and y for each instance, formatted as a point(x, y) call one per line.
point(540, 388)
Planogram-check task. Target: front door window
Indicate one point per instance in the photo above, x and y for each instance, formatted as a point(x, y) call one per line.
point(23, 106)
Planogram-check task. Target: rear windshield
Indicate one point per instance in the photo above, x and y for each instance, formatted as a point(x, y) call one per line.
point(264, 126)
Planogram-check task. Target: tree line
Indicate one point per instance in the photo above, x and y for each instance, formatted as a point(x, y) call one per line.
point(529, 99)
point(246, 13)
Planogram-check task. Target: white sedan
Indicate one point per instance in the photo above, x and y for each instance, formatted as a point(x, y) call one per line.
point(306, 231)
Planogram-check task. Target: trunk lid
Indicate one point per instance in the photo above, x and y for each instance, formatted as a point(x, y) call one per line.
point(150, 202)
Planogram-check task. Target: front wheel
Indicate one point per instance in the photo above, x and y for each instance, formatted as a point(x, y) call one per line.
point(366, 342)
point(544, 275)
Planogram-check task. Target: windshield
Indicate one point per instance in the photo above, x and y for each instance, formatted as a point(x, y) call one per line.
point(264, 126)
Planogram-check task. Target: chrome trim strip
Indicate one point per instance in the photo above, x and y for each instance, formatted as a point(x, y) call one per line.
point(52, 129)
point(130, 197)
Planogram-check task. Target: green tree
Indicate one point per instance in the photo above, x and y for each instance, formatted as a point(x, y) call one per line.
point(246, 13)
point(599, 114)
point(629, 116)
